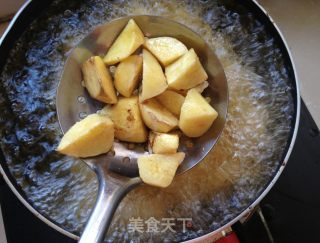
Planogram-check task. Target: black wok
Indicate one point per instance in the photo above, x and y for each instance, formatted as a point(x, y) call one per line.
point(256, 144)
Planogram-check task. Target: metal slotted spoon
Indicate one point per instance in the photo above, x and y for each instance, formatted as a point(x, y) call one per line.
point(117, 171)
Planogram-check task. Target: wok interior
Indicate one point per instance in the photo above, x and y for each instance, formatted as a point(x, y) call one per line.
point(244, 160)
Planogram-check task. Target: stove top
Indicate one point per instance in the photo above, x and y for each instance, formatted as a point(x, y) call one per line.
point(291, 209)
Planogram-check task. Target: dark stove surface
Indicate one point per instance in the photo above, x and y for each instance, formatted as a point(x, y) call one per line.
point(291, 209)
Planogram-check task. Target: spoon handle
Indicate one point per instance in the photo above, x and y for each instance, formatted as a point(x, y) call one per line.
point(112, 189)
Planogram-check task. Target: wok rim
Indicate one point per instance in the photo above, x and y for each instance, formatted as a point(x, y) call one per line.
point(247, 210)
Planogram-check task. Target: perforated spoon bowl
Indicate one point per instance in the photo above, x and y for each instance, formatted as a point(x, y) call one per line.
point(117, 171)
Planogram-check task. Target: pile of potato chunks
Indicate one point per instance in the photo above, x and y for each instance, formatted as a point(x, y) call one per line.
point(167, 100)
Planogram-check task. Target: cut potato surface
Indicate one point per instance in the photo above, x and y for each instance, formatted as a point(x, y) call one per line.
point(98, 81)
point(153, 79)
point(186, 72)
point(172, 101)
point(127, 120)
point(200, 88)
point(159, 169)
point(163, 143)
point(157, 117)
point(196, 115)
point(129, 40)
point(91, 136)
point(127, 75)
point(165, 49)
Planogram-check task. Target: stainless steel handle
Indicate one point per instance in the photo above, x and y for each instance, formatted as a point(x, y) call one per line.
point(112, 189)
